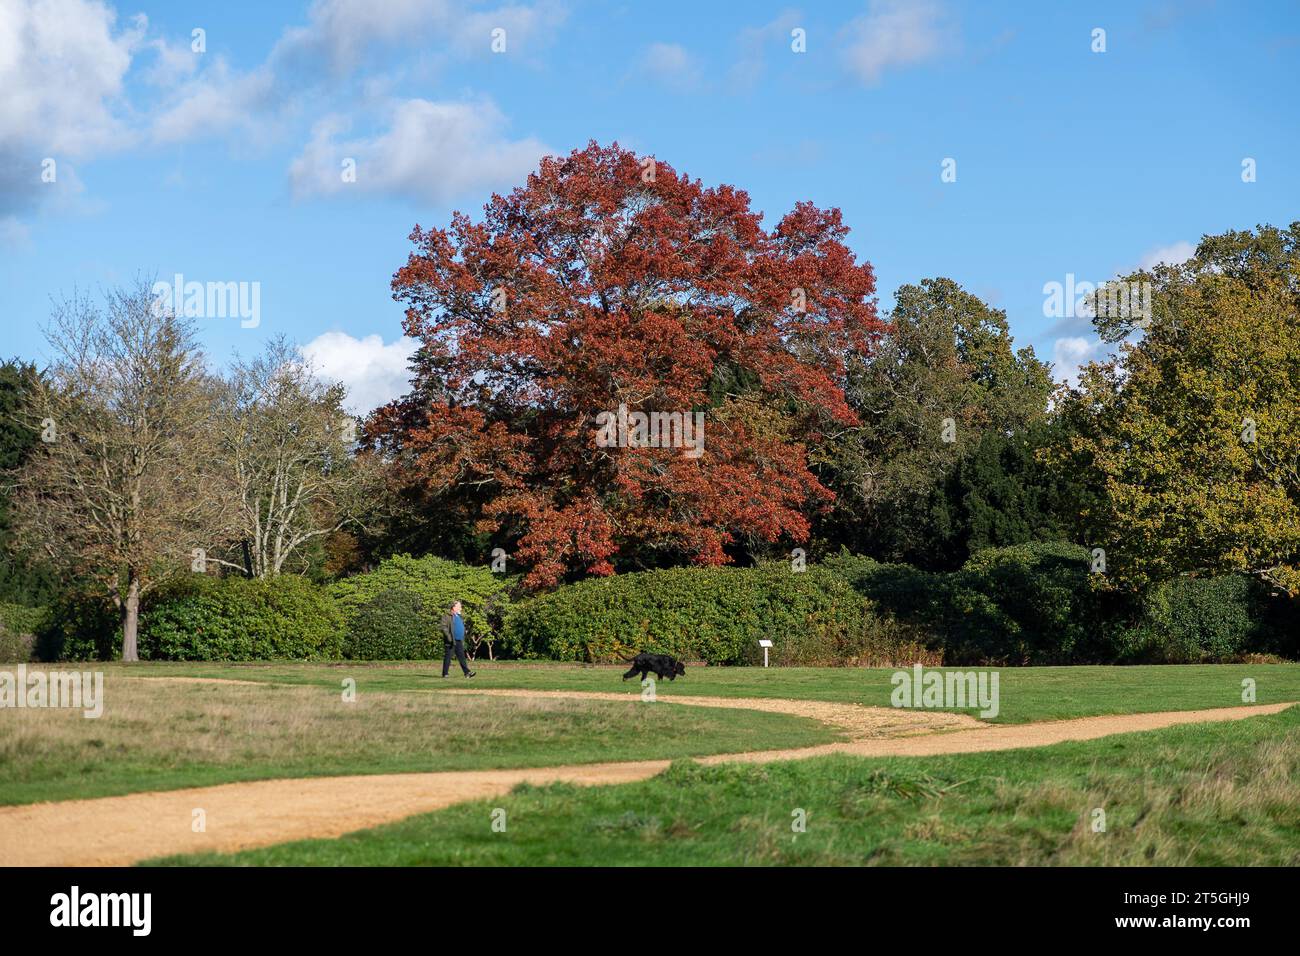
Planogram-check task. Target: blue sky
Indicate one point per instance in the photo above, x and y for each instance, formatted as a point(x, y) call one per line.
point(224, 165)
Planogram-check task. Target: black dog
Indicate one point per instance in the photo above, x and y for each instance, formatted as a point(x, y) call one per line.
point(664, 665)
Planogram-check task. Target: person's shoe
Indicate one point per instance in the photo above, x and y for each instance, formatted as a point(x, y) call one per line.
point(470, 673)
point(444, 675)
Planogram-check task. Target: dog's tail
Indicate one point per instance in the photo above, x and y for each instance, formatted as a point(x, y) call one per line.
point(625, 660)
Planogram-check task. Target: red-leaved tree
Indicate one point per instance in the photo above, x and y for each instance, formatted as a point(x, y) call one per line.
point(612, 280)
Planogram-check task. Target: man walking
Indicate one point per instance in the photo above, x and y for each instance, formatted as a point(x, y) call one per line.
point(453, 638)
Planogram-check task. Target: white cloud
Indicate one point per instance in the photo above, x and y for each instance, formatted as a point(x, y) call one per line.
point(1171, 255)
point(895, 33)
point(214, 102)
point(62, 64)
point(173, 63)
point(1070, 354)
point(671, 65)
point(430, 151)
point(340, 35)
point(373, 373)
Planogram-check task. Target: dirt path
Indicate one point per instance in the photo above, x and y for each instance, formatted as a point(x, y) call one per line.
point(114, 831)
point(859, 722)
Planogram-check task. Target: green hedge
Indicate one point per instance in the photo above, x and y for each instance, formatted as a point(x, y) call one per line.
point(20, 619)
point(18, 626)
point(1203, 621)
point(436, 582)
point(1024, 604)
point(1039, 603)
point(79, 627)
point(204, 618)
point(716, 615)
point(1046, 596)
point(394, 625)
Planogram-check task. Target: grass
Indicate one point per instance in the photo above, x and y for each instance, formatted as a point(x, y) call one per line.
point(1204, 795)
point(165, 735)
point(1027, 693)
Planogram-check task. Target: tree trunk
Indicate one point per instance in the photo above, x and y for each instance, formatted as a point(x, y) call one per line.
point(131, 621)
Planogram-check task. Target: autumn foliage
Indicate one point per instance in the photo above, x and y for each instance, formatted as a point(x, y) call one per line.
point(611, 279)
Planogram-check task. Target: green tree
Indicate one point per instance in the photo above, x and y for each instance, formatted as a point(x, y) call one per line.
point(1003, 494)
point(944, 376)
point(1193, 429)
point(23, 578)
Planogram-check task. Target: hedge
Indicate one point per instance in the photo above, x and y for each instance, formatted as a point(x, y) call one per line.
point(394, 625)
point(240, 619)
point(436, 582)
point(1024, 604)
point(1045, 593)
point(1039, 603)
point(18, 625)
point(79, 627)
point(1204, 621)
point(716, 615)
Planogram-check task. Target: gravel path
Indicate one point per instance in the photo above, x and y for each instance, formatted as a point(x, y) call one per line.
point(115, 831)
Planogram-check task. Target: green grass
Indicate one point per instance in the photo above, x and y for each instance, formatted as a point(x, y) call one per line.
point(1027, 693)
point(1210, 795)
point(170, 735)
point(165, 735)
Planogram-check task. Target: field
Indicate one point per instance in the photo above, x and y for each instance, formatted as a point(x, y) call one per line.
point(876, 785)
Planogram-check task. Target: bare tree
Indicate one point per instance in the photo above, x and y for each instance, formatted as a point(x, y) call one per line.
point(287, 445)
point(117, 489)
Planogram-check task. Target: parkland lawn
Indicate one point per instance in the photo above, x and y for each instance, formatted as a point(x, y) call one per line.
point(1027, 693)
point(1207, 795)
point(164, 735)
point(157, 735)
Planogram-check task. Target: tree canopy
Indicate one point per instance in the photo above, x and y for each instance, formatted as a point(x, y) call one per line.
point(1193, 429)
point(610, 281)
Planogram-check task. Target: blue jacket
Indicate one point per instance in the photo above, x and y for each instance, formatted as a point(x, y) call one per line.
point(453, 628)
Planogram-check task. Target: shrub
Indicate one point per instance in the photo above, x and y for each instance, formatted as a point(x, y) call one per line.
point(1024, 604)
point(875, 640)
point(483, 595)
point(716, 615)
point(18, 626)
point(946, 617)
point(204, 618)
point(15, 648)
point(393, 625)
point(1199, 620)
point(1045, 599)
point(79, 627)
point(19, 619)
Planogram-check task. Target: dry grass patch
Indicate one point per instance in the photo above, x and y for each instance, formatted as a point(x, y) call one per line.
point(160, 734)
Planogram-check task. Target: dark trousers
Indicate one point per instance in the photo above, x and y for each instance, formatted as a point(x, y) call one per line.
point(460, 656)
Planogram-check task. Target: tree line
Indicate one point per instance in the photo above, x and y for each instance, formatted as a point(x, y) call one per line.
point(921, 436)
